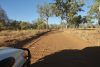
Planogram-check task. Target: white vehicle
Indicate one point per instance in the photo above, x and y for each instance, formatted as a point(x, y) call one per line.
point(12, 57)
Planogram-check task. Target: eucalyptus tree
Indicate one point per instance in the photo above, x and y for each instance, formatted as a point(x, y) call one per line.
point(58, 10)
point(67, 9)
point(75, 7)
point(45, 12)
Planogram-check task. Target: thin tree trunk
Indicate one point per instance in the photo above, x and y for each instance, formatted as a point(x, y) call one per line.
point(47, 26)
point(61, 24)
point(99, 21)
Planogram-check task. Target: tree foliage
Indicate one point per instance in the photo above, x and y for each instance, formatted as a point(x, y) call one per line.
point(94, 11)
point(3, 19)
point(97, 0)
point(20, 25)
point(3, 15)
point(2, 25)
point(67, 9)
point(39, 24)
point(45, 12)
point(24, 25)
point(14, 25)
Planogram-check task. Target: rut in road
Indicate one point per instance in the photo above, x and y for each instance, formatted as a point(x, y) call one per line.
point(52, 42)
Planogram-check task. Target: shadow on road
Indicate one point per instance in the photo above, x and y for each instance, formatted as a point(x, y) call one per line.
point(88, 57)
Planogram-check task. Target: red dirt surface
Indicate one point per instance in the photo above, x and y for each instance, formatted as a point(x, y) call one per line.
point(52, 42)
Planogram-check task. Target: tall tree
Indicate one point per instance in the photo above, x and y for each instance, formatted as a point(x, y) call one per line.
point(3, 18)
point(67, 9)
point(3, 15)
point(58, 10)
point(45, 12)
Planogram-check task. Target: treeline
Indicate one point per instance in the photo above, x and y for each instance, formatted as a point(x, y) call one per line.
point(22, 25)
point(7, 24)
point(68, 11)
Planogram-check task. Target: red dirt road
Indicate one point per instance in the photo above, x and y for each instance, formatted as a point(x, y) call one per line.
point(52, 42)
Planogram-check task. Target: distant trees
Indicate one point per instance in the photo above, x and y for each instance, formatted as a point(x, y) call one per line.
point(7, 24)
point(25, 25)
point(20, 25)
point(54, 26)
point(2, 25)
point(39, 24)
point(14, 25)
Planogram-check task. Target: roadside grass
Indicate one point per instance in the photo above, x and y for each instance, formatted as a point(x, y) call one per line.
point(11, 37)
point(90, 35)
